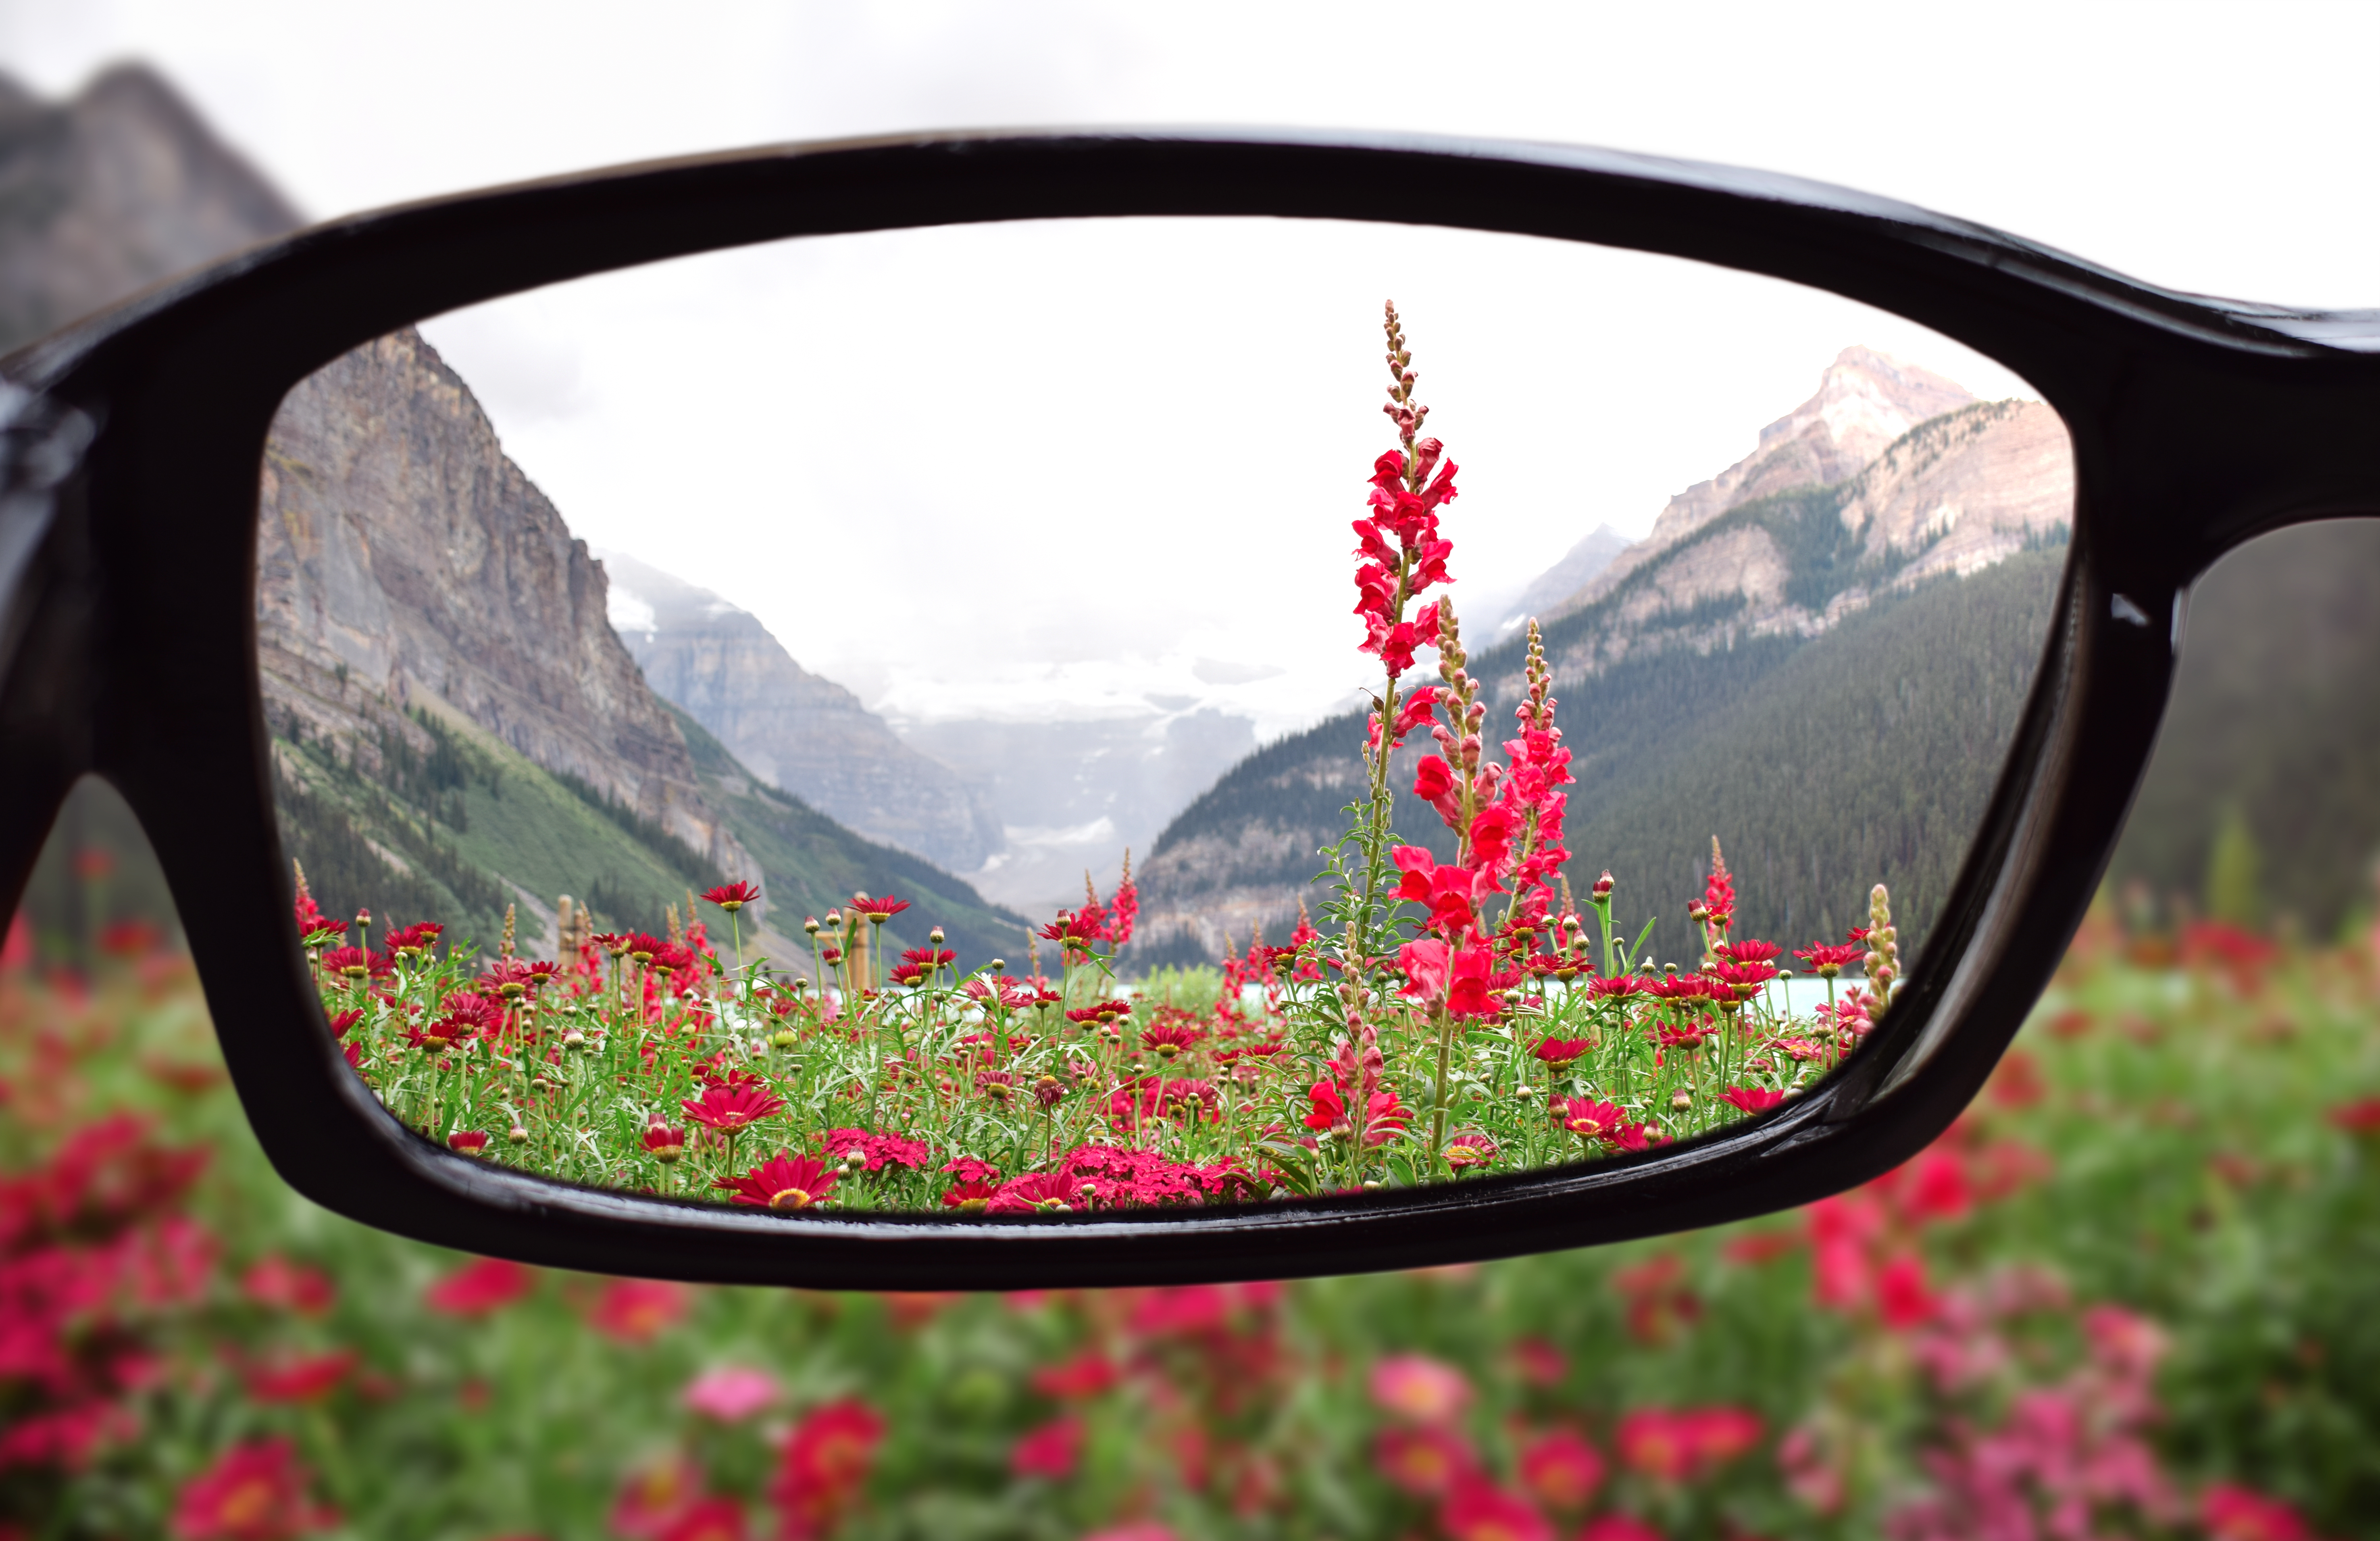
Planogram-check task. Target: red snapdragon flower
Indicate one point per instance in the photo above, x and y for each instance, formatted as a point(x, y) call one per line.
point(732, 897)
point(1420, 705)
point(1462, 978)
point(1385, 1117)
point(256, 1492)
point(781, 1182)
point(729, 1106)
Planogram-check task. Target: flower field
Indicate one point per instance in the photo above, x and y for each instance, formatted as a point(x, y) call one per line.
point(2129, 1294)
point(1449, 1019)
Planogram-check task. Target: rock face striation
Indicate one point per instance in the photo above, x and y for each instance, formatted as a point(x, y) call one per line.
point(104, 195)
point(403, 559)
point(805, 733)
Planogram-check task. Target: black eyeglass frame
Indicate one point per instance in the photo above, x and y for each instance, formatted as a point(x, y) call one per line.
point(129, 460)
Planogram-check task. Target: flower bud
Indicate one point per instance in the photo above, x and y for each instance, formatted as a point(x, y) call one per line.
point(1681, 1101)
point(1603, 886)
point(834, 920)
point(999, 965)
point(935, 937)
point(782, 1038)
point(811, 925)
point(518, 1135)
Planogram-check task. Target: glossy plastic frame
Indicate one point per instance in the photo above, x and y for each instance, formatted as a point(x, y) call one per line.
point(128, 645)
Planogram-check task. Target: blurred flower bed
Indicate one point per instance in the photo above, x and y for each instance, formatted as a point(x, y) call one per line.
point(2129, 1293)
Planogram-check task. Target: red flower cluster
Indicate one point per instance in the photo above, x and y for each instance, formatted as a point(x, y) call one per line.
point(1679, 1444)
point(825, 1462)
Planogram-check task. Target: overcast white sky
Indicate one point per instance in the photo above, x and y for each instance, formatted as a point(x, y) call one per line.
point(2165, 142)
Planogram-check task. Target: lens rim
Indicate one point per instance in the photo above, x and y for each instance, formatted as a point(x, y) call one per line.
point(2195, 425)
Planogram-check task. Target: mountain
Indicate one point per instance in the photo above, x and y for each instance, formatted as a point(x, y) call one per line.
point(1879, 493)
point(104, 195)
point(1580, 566)
point(804, 734)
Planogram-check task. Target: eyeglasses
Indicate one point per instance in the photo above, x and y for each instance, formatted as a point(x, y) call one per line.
point(268, 571)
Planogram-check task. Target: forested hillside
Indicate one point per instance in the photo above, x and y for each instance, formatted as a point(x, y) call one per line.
point(1824, 766)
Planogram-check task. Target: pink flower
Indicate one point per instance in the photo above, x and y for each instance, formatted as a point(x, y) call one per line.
point(1420, 1390)
point(731, 1393)
point(654, 1497)
point(711, 1519)
point(1752, 1099)
point(256, 1492)
point(1050, 1450)
point(475, 1289)
point(303, 1379)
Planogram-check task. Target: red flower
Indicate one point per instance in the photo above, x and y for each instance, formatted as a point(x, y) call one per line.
point(1385, 1117)
point(356, 964)
point(732, 897)
point(970, 1198)
point(1076, 931)
point(1656, 1442)
point(256, 1492)
point(300, 1380)
point(711, 1519)
point(1434, 784)
point(467, 1142)
point(1560, 1052)
point(654, 1497)
point(875, 1150)
point(636, 1310)
point(878, 911)
point(477, 1288)
point(1479, 1512)
point(782, 1182)
point(2231, 1513)
point(1168, 1039)
point(730, 1108)
point(1419, 1389)
point(1619, 987)
point(1828, 961)
point(827, 1458)
point(1086, 1375)
point(1561, 1469)
point(417, 938)
point(1050, 1451)
point(1036, 1191)
point(1424, 1461)
point(1901, 1296)
point(1744, 979)
point(286, 1285)
point(1589, 1118)
point(2362, 1117)
point(1752, 1099)
point(664, 1144)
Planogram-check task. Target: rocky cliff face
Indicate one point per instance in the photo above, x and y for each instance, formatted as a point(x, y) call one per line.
point(404, 560)
point(102, 196)
point(809, 735)
point(1865, 402)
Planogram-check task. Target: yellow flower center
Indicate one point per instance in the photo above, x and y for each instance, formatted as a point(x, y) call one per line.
point(790, 1198)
